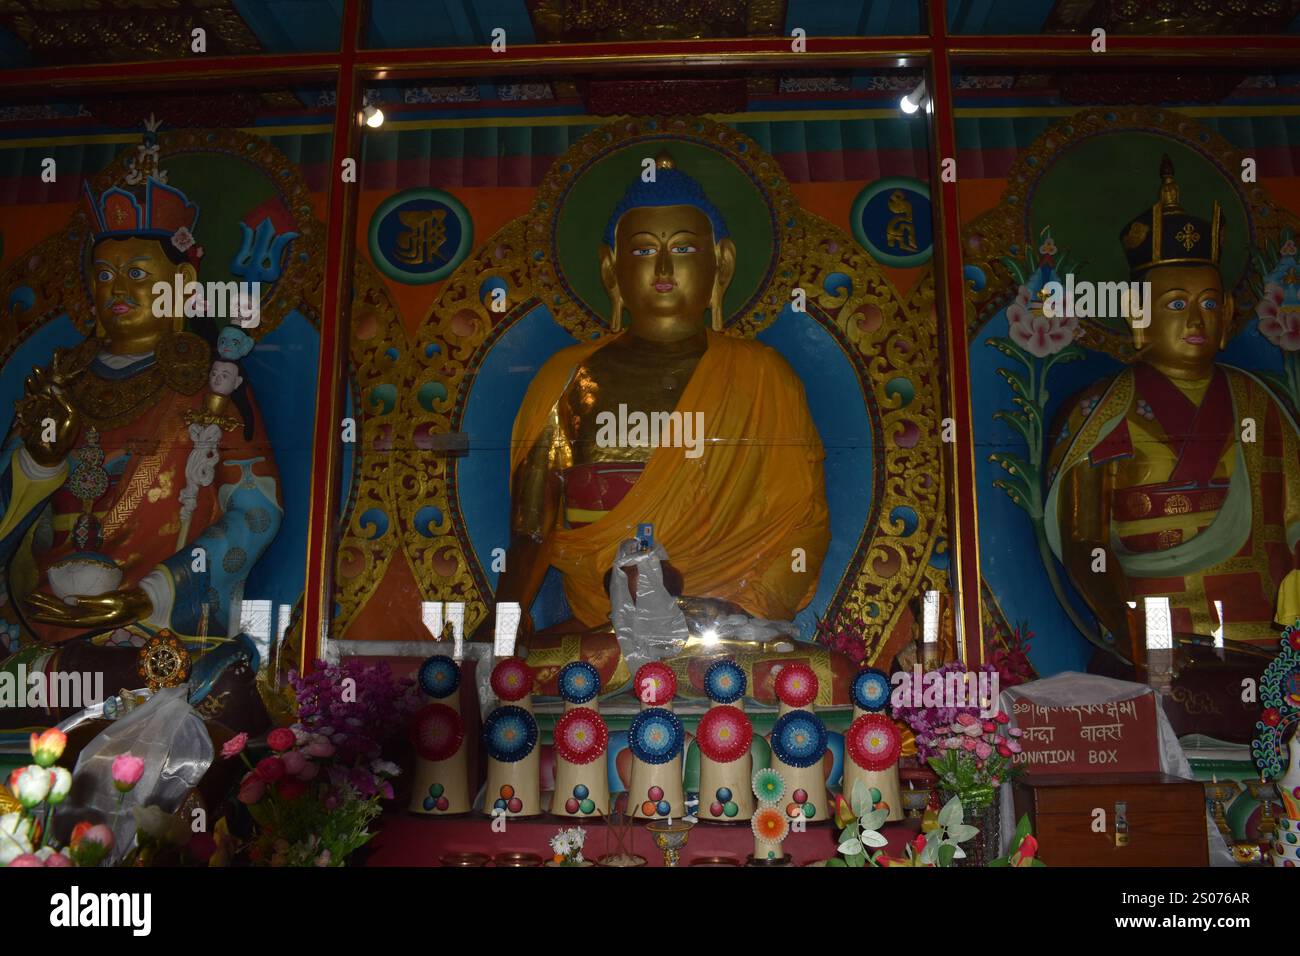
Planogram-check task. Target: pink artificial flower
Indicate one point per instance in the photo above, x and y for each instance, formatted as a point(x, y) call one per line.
point(990, 727)
point(309, 771)
point(1003, 749)
point(1014, 746)
point(995, 781)
point(318, 746)
point(1001, 717)
point(280, 739)
point(294, 762)
point(26, 859)
point(982, 750)
point(1270, 303)
point(234, 746)
point(1015, 731)
point(252, 788)
point(127, 771)
point(973, 730)
point(57, 860)
point(98, 833)
point(969, 743)
point(965, 719)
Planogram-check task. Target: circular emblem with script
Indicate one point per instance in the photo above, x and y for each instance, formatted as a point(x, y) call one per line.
point(420, 235)
point(891, 219)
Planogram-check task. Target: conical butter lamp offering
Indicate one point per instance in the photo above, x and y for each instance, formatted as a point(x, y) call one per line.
point(510, 741)
point(724, 736)
point(798, 741)
point(581, 743)
point(872, 744)
point(441, 784)
point(655, 738)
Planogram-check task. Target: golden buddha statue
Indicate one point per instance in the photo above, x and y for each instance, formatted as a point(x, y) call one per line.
point(138, 487)
point(1182, 471)
point(739, 505)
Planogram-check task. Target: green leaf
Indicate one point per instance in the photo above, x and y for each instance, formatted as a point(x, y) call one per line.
point(836, 862)
point(946, 854)
point(950, 815)
point(931, 852)
point(857, 859)
point(1037, 862)
point(999, 862)
point(861, 800)
point(875, 819)
point(874, 839)
point(1022, 830)
point(850, 847)
point(1015, 380)
point(962, 832)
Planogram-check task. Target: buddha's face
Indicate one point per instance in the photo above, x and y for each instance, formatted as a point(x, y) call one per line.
point(123, 273)
point(665, 264)
point(1190, 319)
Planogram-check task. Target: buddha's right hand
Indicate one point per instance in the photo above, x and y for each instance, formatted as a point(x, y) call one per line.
point(47, 420)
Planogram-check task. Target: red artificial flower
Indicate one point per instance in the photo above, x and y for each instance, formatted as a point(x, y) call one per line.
point(202, 846)
point(270, 769)
point(281, 738)
point(1028, 847)
point(291, 788)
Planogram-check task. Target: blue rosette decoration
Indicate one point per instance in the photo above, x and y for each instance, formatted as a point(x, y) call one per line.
point(656, 735)
point(871, 689)
point(799, 738)
point(725, 682)
point(579, 682)
point(509, 734)
point(439, 676)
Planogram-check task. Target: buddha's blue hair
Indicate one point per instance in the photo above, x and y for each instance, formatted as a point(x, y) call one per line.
point(671, 187)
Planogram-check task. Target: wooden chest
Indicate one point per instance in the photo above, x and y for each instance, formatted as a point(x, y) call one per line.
point(1164, 816)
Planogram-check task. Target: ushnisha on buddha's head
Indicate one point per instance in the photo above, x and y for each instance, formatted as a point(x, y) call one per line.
point(1191, 312)
point(666, 256)
point(142, 238)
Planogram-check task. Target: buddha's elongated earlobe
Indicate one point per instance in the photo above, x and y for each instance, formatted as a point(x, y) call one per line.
point(715, 306)
point(616, 316)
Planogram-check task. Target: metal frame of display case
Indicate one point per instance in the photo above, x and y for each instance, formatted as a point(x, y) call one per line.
point(352, 66)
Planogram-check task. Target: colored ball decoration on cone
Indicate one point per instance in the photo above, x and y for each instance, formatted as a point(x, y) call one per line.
point(873, 742)
point(724, 682)
point(439, 676)
point(580, 736)
point(796, 685)
point(871, 689)
point(509, 735)
point(579, 682)
point(724, 734)
point(798, 738)
point(769, 824)
point(656, 736)
point(437, 731)
point(769, 785)
point(654, 684)
point(512, 679)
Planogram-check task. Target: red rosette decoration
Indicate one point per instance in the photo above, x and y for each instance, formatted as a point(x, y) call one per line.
point(437, 731)
point(724, 733)
point(512, 679)
point(796, 684)
point(873, 742)
point(655, 684)
point(581, 735)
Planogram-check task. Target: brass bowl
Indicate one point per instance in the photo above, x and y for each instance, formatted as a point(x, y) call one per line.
point(466, 859)
point(517, 859)
point(716, 861)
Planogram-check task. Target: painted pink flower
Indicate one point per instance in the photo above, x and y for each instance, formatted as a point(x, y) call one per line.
point(1288, 248)
point(252, 788)
point(1038, 335)
point(234, 746)
point(1282, 329)
point(127, 771)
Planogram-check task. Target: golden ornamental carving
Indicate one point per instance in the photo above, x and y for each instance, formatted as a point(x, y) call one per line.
point(1002, 231)
point(888, 340)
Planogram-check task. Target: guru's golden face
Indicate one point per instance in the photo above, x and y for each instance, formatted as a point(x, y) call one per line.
point(665, 262)
point(1190, 316)
point(123, 273)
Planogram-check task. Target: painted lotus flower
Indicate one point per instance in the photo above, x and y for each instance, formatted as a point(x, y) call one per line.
point(1035, 332)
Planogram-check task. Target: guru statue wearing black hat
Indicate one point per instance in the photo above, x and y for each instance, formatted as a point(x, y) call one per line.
point(1179, 478)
